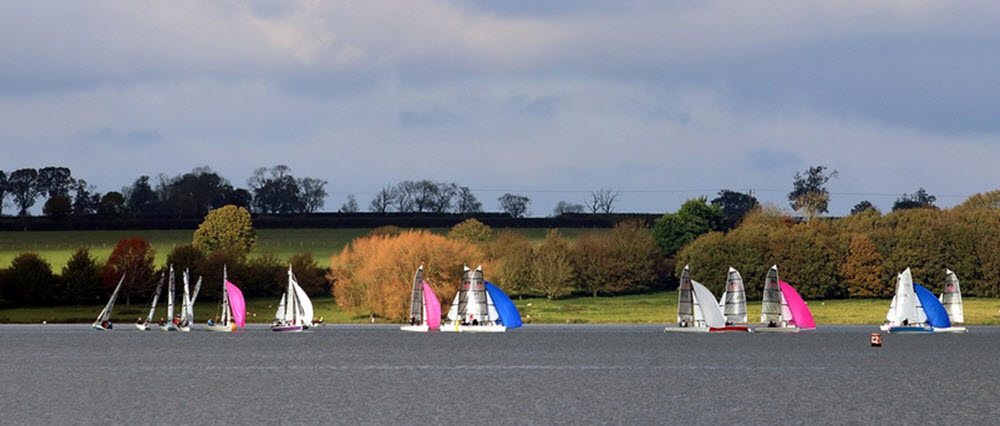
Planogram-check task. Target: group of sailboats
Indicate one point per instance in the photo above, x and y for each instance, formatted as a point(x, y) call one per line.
point(232, 310)
point(185, 319)
point(782, 309)
point(914, 309)
point(479, 306)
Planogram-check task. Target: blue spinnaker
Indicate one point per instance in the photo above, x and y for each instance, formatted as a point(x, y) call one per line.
point(936, 315)
point(509, 315)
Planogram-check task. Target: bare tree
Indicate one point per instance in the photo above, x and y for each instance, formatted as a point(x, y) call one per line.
point(467, 202)
point(382, 200)
point(603, 201)
point(350, 206)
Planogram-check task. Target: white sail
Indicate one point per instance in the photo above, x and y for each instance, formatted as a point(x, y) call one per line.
point(734, 300)
point(186, 301)
point(106, 312)
point(303, 301)
point(194, 295)
point(156, 297)
point(170, 297)
point(891, 315)
point(770, 308)
point(952, 298)
point(453, 312)
point(491, 309)
point(280, 313)
point(906, 303)
point(710, 309)
point(786, 314)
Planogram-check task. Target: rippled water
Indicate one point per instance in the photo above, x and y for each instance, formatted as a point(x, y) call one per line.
point(62, 374)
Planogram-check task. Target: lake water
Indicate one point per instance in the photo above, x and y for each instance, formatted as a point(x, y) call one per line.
point(67, 374)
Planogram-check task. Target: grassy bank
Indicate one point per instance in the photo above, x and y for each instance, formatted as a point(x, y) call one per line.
point(655, 308)
point(57, 246)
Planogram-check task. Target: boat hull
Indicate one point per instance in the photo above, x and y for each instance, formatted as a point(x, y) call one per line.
point(98, 327)
point(219, 328)
point(686, 330)
point(906, 329)
point(459, 328)
point(730, 329)
point(288, 328)
point(185, 328)
point(777, 330)
point(142, 327)
point(415, 328)
point(951, 330)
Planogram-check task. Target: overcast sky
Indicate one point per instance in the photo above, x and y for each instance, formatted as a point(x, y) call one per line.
point(662, 100)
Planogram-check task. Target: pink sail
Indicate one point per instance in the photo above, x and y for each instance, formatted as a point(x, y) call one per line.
point(801, 315)
point(237, 304)
point(432, 307)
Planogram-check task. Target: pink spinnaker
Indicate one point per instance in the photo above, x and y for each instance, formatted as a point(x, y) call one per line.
point(801, 314)
point(432, 307)
point(237, 304)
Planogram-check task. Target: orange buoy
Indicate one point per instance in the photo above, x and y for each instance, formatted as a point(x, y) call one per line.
point(876, 340)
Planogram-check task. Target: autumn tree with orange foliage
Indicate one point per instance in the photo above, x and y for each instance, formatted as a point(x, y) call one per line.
point(374, 273)
point(511, 254)
point(863, 269)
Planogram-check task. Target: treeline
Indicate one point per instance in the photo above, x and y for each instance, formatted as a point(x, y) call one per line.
point(859, 255)
point(324, 220)
point(271, 190)
point(85, 280)
point(373, 274)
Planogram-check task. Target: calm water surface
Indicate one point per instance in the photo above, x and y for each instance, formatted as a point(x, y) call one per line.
point(67, 374)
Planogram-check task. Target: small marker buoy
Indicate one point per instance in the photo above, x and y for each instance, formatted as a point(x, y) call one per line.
point(876, 340)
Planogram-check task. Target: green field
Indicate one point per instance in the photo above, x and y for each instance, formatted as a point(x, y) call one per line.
point(655, 308)
point(58, 246)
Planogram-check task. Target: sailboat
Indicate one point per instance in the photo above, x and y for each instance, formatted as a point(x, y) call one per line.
point(906, 313)
point(187, 303)
point(473, 310)
point(734, 300)
point(103, 321)
point(782, 308)
point(951, 299)
point(144, 325)
point(295, 312)
point(697, 310)
point(425, 309)
point(170, 325)
point(233, 309)
point(184, 324)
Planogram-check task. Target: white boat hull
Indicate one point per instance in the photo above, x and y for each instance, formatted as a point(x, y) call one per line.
point(951, 330)
point(685, 330)
point(142, 327)
point(168, 327)
point(219, 328)
point(415, 328)
point(776, 330)
point(98, 327)
point(185, 328)
point(459, 328)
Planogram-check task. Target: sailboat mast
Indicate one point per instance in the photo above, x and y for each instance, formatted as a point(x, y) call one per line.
point(225, 297)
